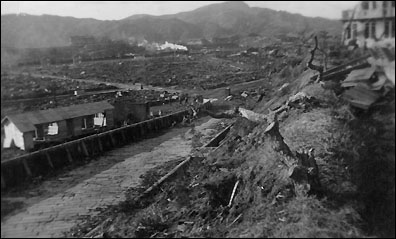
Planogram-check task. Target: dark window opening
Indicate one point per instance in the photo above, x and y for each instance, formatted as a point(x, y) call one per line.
point(387, 26)
point(373, 29)
point(348, 32)
point(367, 30)
point(374, 4)
point(83, 123)
point(393, 27)
point(354, 30)
point(365, 5)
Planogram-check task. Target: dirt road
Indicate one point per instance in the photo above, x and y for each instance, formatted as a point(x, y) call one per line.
point(50, 216)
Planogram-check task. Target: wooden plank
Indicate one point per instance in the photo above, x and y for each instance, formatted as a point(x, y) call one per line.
point(142, 131)
point(26, 166)
point(155, 185)
point(3, 184)
point(345, 71)
point(340, 67)
point(47, 155)
point(123, 136)
point(112, 140)
point(100, 144)
point(69, 157)
point(84, 148)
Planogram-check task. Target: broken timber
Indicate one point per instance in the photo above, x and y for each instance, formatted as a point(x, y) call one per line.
point(343, 69)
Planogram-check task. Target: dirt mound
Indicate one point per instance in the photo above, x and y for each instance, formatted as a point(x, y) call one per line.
point(243, 188)
point(316, 129)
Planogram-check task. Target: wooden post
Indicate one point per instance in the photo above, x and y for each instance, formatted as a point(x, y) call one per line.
point(26, 166)
point(49, 159)
point(123, 136)
point(69, 157)
point(3, 184)
point(112, 139)
point(141, 130)
point(84, 148)
point(100, 144)
point(132, 132)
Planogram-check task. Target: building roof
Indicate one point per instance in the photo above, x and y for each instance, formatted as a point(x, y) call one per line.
point(25, 121)
point(84, 109)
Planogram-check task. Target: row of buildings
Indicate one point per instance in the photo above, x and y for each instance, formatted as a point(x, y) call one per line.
point(26, 130)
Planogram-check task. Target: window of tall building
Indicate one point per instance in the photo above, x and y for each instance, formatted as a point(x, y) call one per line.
point(373, 29)
point(367, 30)
point(365, 5)
point(384, 4)
point(354, 30)
point(393, 28)
point(386, 30)
point(374, 4)
point(348, 33)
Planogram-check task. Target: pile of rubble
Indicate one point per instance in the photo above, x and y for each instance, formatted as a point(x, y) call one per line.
point(369, 82)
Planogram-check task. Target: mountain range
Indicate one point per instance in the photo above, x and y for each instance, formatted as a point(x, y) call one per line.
point(215, 20)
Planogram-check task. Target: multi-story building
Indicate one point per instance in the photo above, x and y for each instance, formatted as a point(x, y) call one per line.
point(370, 23)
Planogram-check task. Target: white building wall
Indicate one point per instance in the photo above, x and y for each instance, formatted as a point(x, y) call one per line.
point(13, 134)
point(379, 15)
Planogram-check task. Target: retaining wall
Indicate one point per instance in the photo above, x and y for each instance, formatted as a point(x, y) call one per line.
point(23, 168)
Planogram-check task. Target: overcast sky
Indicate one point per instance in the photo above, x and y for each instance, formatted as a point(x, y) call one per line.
point(115, 10)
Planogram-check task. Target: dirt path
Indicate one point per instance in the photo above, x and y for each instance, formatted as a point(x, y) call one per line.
point(54, 215)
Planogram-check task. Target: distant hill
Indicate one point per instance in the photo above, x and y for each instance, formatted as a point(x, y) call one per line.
point(215, 20)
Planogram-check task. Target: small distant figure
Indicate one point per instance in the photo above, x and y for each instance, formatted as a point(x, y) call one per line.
point(141, 86)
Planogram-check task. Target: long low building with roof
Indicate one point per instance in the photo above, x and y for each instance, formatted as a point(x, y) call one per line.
point(25, 129)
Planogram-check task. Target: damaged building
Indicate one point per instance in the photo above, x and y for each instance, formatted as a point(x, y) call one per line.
point(27, 129)
point(370, 23)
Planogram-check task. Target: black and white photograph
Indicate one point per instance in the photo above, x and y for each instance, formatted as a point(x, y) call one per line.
point(208, 119)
